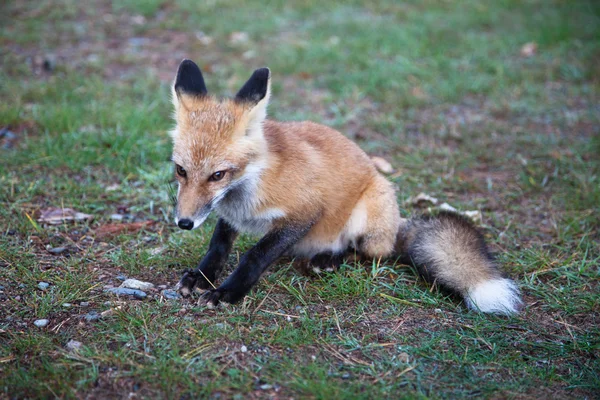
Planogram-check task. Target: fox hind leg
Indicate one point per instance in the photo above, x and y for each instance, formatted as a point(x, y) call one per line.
point(383, 220)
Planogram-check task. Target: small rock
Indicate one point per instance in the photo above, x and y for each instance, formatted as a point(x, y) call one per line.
point(84, 303)
point(162, 286)
point(117, 217)
point(121, 291)
point(170, 294)
point(73, 345)
point(57, 250)
point(67, 305)
point(121, 277)
point(43, 285)
point(244, 349)
point(6, 139)
point(136, 284)
point(266, 386)
point(40, 323)
point(92, 316)
point(346, 375)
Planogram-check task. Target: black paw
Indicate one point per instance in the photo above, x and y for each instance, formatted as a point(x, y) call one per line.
point(187, 282)
point(215, 296)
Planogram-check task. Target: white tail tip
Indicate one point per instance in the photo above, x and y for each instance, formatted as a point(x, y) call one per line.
point(499, 296)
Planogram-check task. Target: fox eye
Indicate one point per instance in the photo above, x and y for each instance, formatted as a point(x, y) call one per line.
point(180, 171)
point(217, 176)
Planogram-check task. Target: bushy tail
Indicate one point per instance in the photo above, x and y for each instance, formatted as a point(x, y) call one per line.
point(448, 250)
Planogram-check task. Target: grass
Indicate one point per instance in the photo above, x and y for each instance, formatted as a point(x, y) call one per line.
point(438, 88)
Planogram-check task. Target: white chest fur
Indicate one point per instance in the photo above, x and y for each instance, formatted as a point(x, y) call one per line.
point(241, 207)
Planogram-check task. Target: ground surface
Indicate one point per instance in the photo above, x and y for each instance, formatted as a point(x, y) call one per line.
point(490, 106)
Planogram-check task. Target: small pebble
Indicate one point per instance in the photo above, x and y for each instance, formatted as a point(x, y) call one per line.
point(43, 285)
point(92, 316)
point(266, 387)
point(84, 303)
point(137, 284)
point(346, 375)
point(138, 294)
point(121, 277)
point(66, 305)
point(73, 345)
point(170, 294)
point(244, 349)
point(40, 323)
point(162, 286)
point(116, 217)
point(57, 250)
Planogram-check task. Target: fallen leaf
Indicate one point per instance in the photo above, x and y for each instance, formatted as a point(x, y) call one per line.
point(116, 229)
point(382, 165)
point(529, 49)
point(56, 216)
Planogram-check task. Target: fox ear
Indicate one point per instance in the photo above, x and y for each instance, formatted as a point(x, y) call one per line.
point(189, 80)
point(256, 88)
point(255, 93)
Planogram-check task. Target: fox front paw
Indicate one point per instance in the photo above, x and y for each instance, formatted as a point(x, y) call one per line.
point(215, 296)
point(187, 282)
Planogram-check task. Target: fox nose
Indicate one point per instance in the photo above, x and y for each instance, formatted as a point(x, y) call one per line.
point(186, 224)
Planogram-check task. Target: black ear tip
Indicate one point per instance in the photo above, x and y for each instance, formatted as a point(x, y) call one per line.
point(188, 67)
point(262, 73)
point(189, 78)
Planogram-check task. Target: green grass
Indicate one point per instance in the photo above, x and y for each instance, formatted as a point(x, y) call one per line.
point(439, 88)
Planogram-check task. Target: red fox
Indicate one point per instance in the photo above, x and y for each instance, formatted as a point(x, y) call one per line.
point(311, 193)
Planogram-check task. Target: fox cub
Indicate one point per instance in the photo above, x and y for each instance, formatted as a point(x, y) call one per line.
point(311, 193)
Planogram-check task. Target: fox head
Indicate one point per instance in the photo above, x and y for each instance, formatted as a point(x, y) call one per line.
point(217, 144)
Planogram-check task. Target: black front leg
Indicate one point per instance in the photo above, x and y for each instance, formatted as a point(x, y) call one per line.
point(212, 264)
point(254, 262)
